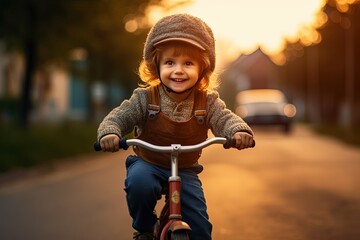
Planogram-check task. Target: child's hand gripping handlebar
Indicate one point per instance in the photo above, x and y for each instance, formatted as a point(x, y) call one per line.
point(125, 143)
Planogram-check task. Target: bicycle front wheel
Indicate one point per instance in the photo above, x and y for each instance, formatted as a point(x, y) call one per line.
point(180, 235)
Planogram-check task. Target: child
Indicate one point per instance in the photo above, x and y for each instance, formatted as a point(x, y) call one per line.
point(176, 104)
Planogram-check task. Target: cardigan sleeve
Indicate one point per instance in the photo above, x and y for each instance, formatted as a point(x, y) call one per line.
point(222, 121)
point(122, 119)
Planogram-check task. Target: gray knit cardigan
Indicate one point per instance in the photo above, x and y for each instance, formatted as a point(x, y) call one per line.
point(133, 113)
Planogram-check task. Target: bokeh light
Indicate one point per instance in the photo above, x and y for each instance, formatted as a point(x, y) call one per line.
point(243, 26)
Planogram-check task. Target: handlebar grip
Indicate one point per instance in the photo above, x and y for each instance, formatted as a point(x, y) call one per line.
point(122, 145)
point(97, 146)
point(230, 142)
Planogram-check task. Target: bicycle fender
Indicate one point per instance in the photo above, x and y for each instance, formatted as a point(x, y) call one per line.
point(179, 225)
point(172, 226)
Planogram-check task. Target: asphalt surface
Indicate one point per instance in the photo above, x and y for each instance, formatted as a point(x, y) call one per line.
point(296, 187)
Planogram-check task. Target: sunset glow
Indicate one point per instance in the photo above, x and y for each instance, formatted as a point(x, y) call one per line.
point(242, 26)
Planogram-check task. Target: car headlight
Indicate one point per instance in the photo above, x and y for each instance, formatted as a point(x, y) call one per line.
point(290, 110)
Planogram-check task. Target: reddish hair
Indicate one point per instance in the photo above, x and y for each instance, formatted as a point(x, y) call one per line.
point(148, 70)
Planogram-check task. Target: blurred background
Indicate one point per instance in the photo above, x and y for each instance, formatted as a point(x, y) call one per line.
point(65, 64)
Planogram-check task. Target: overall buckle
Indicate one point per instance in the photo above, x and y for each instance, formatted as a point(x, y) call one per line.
point(200, 116)
point(153, 110)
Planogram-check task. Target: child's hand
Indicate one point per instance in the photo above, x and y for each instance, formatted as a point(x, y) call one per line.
point(110, 143)
point(242, 140)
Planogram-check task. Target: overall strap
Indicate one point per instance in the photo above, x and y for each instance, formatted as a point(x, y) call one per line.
point(154, 101)
point(200, 106)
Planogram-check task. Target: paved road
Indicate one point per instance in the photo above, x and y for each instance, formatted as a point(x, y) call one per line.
point(296, 187)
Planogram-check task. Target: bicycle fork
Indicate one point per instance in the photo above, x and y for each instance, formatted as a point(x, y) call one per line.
point(175, 222)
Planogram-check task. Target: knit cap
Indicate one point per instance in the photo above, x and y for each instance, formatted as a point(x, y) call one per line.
point(182, 27)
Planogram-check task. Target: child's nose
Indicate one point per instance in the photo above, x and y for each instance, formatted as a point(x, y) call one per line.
point(179, 69)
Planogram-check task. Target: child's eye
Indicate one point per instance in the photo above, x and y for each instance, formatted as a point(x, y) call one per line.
point(189, 63)
point(169, 62)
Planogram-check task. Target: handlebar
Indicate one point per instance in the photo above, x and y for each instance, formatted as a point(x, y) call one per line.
point(125, 143)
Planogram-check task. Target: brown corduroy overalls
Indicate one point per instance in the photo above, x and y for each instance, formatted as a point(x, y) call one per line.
point(161, 130)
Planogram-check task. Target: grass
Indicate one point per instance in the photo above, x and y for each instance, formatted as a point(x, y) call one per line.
point(43, 144)
point(351, 137)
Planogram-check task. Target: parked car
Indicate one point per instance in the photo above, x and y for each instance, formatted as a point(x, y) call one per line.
point(265, 107)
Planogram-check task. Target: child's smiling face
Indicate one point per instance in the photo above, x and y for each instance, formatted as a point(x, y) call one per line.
point(179, 72)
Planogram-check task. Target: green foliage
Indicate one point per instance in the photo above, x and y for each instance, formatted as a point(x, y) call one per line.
point(43, 144)
point(57, 27)
point(8, 108)
point(47, 32)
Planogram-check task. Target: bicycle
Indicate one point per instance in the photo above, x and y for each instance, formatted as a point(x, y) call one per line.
point(170, 225)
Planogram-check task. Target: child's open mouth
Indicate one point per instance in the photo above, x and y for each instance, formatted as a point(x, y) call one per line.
point(178, 79)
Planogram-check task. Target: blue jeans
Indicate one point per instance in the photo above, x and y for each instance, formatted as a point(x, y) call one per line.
point(143, 189)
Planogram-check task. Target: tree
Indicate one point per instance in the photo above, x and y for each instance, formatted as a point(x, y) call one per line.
point(325, 74)
point(46, 31)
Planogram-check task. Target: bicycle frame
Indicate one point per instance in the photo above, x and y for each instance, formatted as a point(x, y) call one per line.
point(174, 222)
